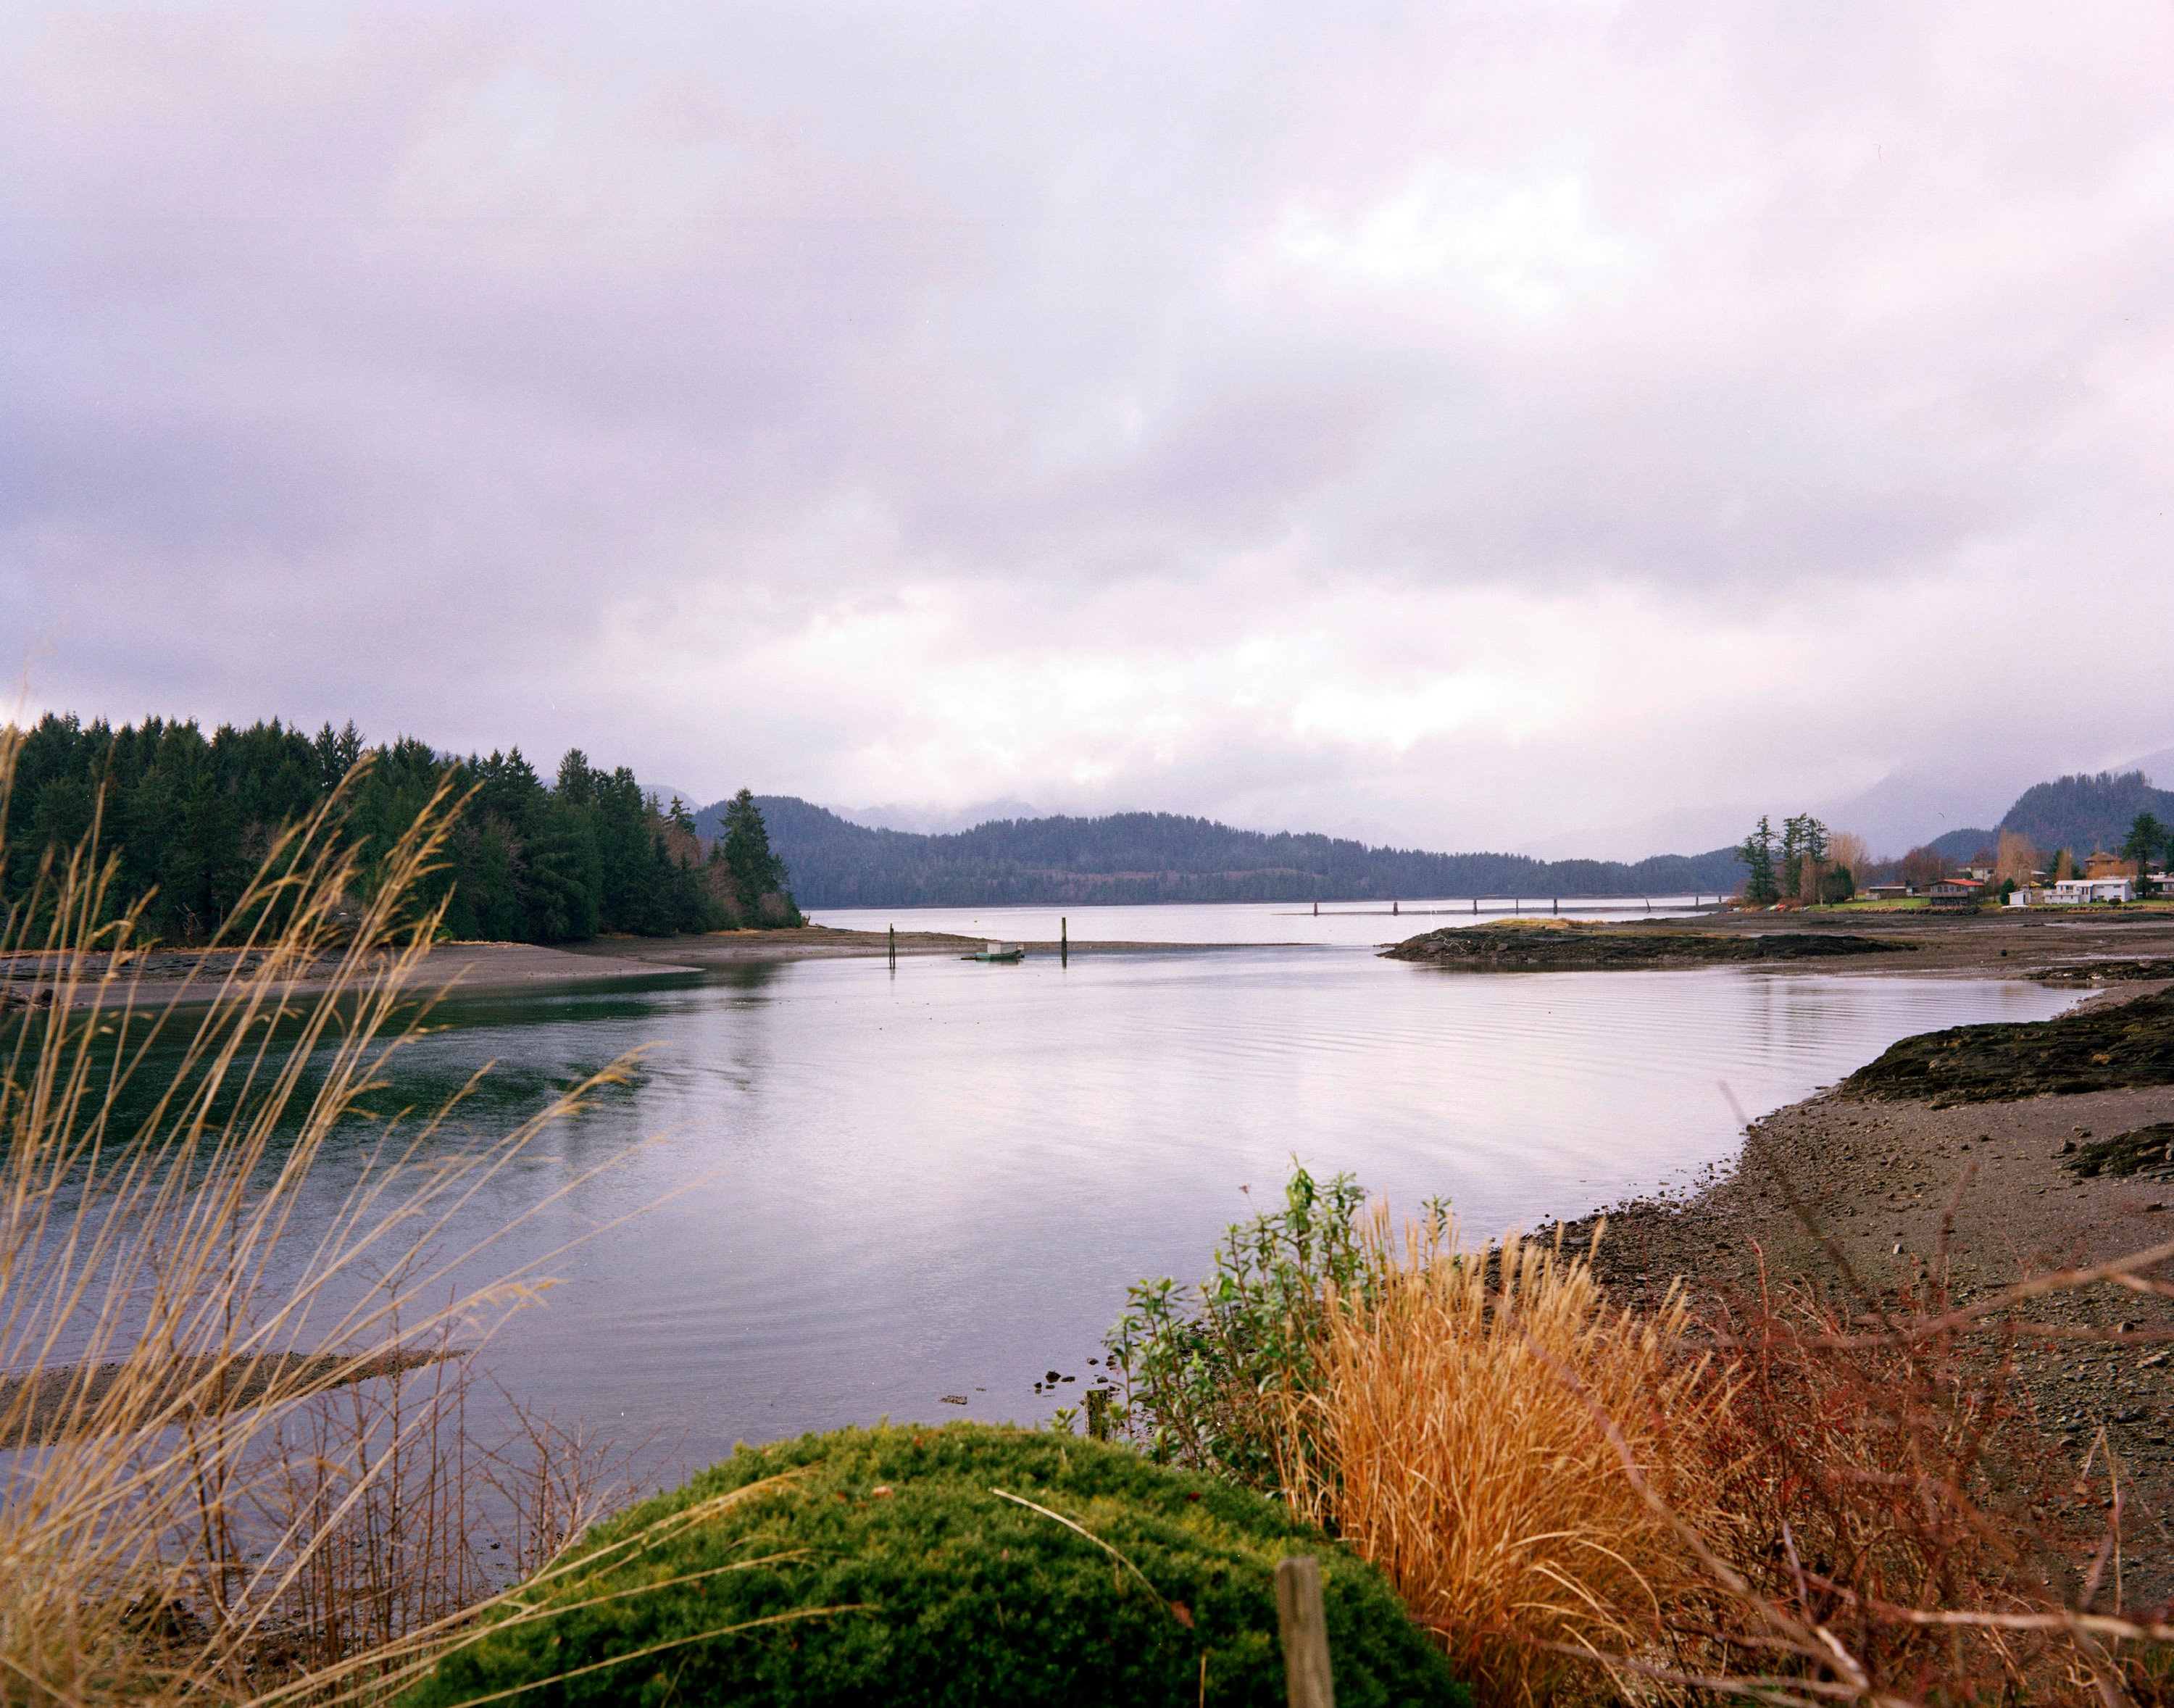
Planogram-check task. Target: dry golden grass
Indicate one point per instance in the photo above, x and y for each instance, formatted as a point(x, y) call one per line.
point(219, 1477)
point(1453, 1439)
point(1781, 1502)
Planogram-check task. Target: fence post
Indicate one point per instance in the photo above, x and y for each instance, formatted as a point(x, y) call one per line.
point(1306, 1680)
point(1098, 1413)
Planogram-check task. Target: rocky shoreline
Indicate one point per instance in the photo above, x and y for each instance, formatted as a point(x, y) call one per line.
point(1565, 946)
point(1957, 1165)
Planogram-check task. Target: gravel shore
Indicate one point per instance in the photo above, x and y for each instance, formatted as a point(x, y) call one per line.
point(1866, 1190)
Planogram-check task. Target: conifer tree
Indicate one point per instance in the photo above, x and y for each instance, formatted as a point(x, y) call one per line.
point(752, 870)
point(2147, 838)
point(1756, 851)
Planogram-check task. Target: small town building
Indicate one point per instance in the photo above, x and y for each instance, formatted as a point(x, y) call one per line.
point(2104, 865)
point(2027, 896)
point(1884, 892)
point(2077, 892)
point(1954, 888)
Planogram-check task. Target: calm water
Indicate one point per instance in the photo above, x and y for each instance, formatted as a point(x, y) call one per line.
point(896, 1187)
point(1350, 924)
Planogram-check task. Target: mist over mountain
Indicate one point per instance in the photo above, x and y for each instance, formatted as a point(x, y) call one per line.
point(1164, 856)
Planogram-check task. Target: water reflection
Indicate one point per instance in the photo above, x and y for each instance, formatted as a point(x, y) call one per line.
point(887, 1187)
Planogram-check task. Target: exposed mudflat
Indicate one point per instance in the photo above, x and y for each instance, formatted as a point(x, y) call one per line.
point(2101, 1048)
point(1565, 946)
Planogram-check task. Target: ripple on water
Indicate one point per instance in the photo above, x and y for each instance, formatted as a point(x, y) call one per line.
point(888, 1187)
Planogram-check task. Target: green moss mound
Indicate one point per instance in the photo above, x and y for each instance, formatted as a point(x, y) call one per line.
point(965, 1596)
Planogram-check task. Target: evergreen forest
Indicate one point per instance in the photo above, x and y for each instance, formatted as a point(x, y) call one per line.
point(1165, 856)
point(189, 817)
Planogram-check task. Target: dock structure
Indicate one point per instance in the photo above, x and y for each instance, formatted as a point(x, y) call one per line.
point(1473, 906)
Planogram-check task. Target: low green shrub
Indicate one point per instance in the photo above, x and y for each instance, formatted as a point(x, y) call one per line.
point(959, 1595)
point(1207, 1372)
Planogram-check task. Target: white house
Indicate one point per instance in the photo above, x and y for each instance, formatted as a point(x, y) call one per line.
point(2076, 891)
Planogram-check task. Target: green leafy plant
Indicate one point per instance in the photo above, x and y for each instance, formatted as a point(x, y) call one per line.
point(1205, 1372)
point(963, 1564)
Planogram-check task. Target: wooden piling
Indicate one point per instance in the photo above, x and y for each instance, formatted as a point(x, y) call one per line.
point(894, 949)
point(1064, 943)
point(1307, 1683)
point(1098, 1413)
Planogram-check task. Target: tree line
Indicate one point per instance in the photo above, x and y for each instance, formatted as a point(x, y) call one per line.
point(1809, 862)
point(188, 818)
point(1165, 856)
point(1799, 865)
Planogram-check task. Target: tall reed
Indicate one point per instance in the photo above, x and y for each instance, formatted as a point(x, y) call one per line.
point(186, 1508)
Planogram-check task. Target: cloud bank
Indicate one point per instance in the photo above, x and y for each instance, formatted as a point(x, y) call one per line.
point(1452, 424)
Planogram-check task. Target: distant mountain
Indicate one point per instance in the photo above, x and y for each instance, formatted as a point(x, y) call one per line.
point(1160, 856)
point(1958, 845)
point(2084, 813)
point(935, 821)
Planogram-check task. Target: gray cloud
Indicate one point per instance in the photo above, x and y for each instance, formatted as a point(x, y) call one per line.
point(1448, 421)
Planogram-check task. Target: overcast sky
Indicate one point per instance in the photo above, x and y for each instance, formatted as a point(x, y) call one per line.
point(1456, 425)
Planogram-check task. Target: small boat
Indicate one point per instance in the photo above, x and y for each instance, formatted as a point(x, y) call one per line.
point(1001, 952)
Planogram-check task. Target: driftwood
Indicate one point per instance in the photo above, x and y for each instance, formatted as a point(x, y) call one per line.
point(43, 1407)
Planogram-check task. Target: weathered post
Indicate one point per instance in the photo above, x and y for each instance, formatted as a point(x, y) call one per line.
point(1306, 1680)
point(1064, 943)
point(894, 949)
point(1557, 908)
point(1316, 910)
point(1098, 1413)
point(1396, 907)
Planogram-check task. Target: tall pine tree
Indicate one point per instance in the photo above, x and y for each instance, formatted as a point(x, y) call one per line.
point(756, 876)
point(1756, 851)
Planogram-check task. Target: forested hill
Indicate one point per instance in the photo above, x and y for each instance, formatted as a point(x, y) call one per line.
point(188, 817)
point(1160, 856)
point(2085, 813)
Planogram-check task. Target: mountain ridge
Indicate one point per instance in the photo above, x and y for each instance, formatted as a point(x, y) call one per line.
point(1166, 857)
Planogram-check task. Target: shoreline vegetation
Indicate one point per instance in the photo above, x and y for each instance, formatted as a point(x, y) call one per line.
point(241, 1464)
point(1872, 1418)
point(190, 820)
